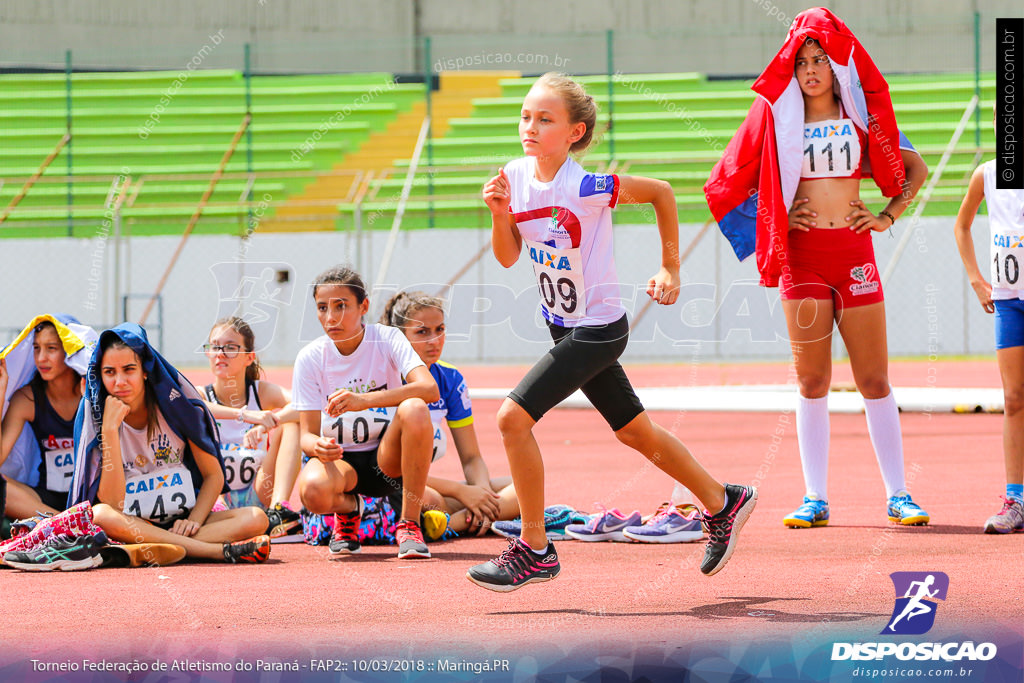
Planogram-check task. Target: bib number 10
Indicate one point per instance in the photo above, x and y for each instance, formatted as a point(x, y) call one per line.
point(560, 293)
point(1005, 270)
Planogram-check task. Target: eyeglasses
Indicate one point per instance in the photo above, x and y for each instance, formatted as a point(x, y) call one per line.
point(229, 350)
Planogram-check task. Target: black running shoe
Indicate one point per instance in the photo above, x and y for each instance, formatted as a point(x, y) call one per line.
point(516, 567)
point(59, 552)
point(252, 550)
point(283, 521)
point(724, 526)
point(345, 539)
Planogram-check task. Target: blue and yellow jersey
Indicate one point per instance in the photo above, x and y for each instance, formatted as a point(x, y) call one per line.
point(453, 406)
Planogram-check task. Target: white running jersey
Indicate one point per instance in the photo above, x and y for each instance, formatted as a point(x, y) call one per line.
point(1006, 224)
point(241, 464)
point(566, 226)
point(381, 361)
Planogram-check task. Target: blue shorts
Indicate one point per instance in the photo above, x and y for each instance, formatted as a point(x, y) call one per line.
point(242, 498)
point(1009, 323)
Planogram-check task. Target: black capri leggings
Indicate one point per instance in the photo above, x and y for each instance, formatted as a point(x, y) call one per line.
point(582, 358)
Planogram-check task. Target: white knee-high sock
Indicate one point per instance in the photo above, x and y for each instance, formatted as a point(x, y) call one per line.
point(812, 433)
point(884, 427)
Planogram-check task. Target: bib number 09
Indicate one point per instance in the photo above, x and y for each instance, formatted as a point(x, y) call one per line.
point(560, 293)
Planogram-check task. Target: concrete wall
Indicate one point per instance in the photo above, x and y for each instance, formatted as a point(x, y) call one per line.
point(722, 314)
point(721, 37)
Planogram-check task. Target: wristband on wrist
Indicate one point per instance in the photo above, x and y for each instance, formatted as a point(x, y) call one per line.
point(888, 215)
point(240, 418)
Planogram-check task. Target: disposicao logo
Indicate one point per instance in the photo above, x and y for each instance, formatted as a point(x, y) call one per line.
point(917, 596)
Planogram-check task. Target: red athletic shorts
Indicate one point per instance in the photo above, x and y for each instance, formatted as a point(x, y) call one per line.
point(836, 264)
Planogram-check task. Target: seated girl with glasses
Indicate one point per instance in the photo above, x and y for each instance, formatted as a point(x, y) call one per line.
point(259, 430)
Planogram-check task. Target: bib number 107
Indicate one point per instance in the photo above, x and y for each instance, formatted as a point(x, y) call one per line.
point(560, 293)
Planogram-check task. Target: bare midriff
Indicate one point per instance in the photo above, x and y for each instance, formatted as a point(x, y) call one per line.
point(830, 198)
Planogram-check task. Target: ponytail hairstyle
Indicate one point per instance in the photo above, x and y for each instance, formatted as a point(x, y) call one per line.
point(400, 309)
point(344, 276)
point(254, 370)
point(580, 105)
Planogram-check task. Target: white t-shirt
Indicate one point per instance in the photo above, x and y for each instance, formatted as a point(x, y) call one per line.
point(380, 362)
point(1006, 224)
point(158, 485)
point(566, 225)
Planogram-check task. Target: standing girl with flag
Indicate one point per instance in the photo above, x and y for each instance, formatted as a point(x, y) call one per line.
point(788, 187)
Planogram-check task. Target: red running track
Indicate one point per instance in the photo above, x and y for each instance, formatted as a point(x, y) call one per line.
point(780, 582)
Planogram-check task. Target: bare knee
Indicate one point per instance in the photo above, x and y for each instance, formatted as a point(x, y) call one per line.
point(513, 421)
point(813, 385)
point(415, 417)
point(253, 521)
point(316, 493)
point(874, 387)
point(1013, 401)
point(638, 434)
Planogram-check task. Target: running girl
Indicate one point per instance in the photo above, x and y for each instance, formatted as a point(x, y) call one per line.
point(362, 395)
point(260, 464)
point(805, 146)
point(563, 216)
point(46, 361)
point(148, 457)
point(1004, 296)
point(479, 500)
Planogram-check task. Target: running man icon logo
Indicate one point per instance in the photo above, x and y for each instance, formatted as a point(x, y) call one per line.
point(916, 595)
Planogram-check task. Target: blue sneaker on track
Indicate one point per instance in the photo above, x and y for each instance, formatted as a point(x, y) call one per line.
point(812, 512)
point(556, 518)
point(606, 526)
point(903, 510)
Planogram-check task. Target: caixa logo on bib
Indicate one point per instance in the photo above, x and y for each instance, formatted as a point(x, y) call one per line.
point(917, 596)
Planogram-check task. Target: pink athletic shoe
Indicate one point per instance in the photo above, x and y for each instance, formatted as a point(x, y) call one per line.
point(75, 521)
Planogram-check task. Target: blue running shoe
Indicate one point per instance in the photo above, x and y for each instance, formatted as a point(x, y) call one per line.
point(813, 512)
point(670, 524)
point(607, 526)
point(903, 510)
point(556, 519)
